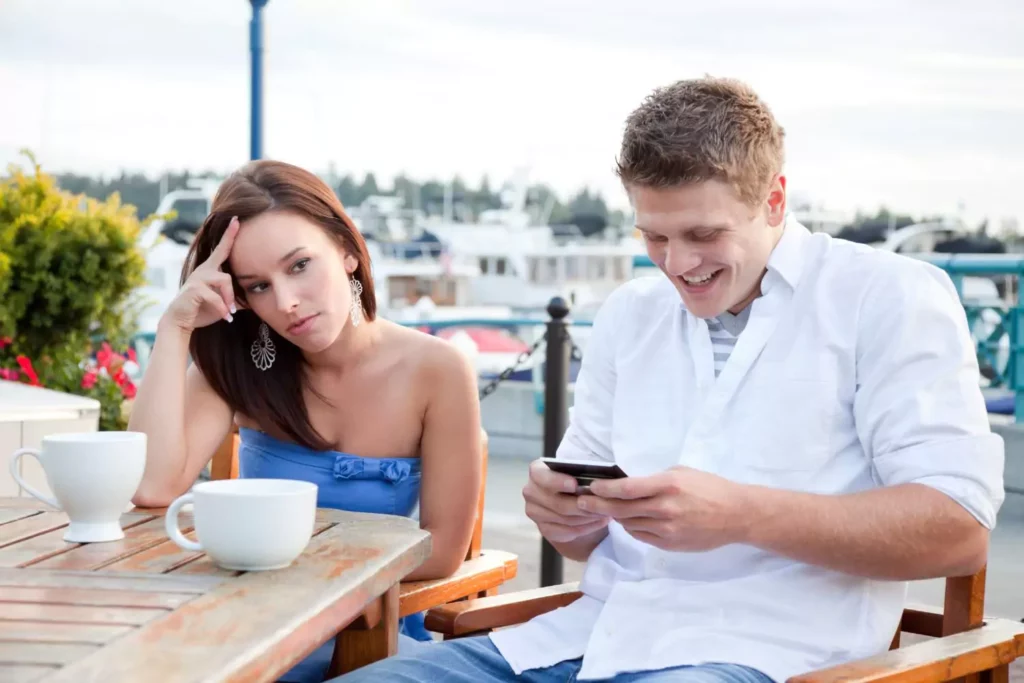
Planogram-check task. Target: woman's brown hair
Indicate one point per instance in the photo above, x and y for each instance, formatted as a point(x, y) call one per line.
point(221, 350)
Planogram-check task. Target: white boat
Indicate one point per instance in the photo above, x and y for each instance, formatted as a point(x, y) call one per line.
point(166, 244)
point(525, 266)
point(522, 261)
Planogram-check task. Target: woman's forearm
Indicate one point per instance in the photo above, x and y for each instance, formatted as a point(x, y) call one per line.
point(159, 412)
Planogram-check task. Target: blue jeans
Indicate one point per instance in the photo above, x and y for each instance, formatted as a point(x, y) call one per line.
point(476, 660)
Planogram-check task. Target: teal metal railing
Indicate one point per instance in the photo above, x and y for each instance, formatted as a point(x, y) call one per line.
point(996, 320)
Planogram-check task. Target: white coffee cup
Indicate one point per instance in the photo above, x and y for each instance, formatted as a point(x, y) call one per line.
point(248, 524)
point(93, 476)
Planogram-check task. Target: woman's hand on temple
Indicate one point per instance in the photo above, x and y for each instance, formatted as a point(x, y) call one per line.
point(207, 295)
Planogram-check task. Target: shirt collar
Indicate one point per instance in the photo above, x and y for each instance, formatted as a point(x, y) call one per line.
point(786, 262)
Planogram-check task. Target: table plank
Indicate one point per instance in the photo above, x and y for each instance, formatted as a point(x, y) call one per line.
point(79, 614)
point(203, 565)
point(41, 546)
point(96, 555)
point(22, 503)
point(90, 596)
point(168, 557)
point(13, 515)
point(23, 673)
point(40, 523)
point(156, 560)
point(258, 625)
point(44, 653)
point(130, 581)
point(330, 515)
point(50, 632)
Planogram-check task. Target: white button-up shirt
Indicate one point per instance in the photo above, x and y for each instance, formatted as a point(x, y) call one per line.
point(856, 370)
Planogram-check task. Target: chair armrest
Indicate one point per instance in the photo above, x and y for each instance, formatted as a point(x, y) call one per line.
point(996, 643)
point(487, 571)
point(485, 614)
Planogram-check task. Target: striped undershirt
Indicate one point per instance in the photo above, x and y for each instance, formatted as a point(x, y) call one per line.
point(725, 329)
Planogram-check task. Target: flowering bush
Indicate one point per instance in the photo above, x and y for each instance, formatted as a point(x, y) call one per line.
point(70, 268)
point(102, 376)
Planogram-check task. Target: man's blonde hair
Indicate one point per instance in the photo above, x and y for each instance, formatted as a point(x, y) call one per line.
point(703, 129)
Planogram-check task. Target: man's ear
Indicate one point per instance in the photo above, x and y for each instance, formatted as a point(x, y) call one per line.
point(777, 201)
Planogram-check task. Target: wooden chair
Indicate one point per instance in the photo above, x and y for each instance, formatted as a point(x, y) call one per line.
point(480, 575)
point(964, 646)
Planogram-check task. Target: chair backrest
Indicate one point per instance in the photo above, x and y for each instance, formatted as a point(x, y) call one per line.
point(963, 609)
point(225, 466)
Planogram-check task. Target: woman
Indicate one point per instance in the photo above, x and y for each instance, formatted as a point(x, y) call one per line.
point(277, 310)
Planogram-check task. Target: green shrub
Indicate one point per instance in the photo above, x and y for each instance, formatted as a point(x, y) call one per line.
point(69, 266)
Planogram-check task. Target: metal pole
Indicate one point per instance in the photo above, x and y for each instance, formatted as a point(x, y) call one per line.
point(256, 82)
point(556, 415)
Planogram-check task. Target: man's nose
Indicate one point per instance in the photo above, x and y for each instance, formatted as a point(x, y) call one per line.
point(680, 260)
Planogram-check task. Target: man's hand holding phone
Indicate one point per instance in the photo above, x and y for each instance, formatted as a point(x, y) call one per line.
point(680, 509)
point(551, 502)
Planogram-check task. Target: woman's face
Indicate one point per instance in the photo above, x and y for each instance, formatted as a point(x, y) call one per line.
point(295, 276)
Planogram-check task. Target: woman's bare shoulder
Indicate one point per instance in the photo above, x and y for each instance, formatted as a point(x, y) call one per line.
point(434, 359)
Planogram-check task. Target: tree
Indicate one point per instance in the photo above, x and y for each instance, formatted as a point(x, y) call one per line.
point(347, 191)
point(369, 187)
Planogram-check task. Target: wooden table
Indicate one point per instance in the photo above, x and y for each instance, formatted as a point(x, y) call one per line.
point(143, 609)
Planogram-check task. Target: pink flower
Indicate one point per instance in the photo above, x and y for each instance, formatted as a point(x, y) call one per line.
point(10, 375)
point(26, 367)
point(122, 380)
point(128, 389)
point(89, 379)
point(5, 342)
point(104, 355)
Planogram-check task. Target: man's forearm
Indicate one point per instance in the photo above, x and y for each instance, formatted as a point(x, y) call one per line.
point(904, 532)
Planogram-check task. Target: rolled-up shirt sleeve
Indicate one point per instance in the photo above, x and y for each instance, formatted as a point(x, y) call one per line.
point(919, 410)
point(589, 434)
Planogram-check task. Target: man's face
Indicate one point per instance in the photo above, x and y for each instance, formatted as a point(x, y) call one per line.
point(711, 245)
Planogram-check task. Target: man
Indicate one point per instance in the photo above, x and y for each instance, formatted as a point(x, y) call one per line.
point(800, 418)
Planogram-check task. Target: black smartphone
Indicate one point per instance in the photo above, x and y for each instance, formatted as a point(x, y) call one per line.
point(585, 471)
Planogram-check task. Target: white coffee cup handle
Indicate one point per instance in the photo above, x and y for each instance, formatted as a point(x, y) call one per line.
point(15, 459)
point(171, 524)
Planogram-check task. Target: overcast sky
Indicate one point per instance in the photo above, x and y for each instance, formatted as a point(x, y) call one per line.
point(918, 104)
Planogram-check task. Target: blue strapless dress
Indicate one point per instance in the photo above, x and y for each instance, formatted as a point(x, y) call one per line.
point(388, 486)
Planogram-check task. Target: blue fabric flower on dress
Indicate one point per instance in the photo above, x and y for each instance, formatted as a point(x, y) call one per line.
point(393, 471)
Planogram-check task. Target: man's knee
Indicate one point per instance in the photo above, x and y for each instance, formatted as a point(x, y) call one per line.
point(464, 660)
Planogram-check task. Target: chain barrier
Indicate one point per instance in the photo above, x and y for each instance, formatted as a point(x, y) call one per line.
point(575, 354)
point(507, 372)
